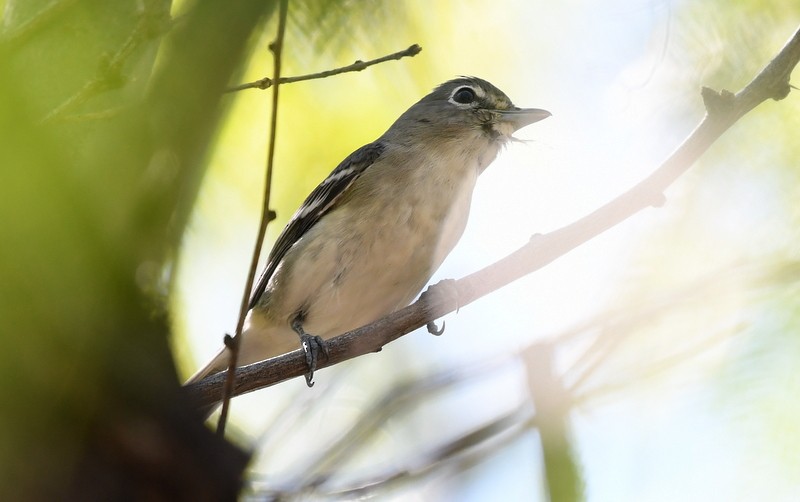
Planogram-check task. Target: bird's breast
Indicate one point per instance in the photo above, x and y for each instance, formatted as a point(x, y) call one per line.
point(375, 251)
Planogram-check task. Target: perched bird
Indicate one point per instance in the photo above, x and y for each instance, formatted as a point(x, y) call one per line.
point(370, 236)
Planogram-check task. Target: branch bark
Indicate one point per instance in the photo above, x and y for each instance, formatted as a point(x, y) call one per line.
point(232, 343)
point(266, 82)
point(723, 109)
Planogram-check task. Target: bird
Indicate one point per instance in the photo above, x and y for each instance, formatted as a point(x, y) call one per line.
point(369, 237)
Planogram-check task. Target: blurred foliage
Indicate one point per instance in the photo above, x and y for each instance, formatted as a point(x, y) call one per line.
point(107, 111)
point(112, 114)
point(326, 27)
point(736, 211)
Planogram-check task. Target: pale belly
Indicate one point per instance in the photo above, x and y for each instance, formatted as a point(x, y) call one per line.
point(345, 276)
point(358, 276)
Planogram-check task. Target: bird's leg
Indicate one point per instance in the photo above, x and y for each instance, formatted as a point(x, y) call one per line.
point(448, 290)
point(312, 346)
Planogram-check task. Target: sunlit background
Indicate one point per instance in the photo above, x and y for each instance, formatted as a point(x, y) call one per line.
point(683, 361)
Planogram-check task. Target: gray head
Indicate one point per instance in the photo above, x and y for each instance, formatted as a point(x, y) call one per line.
point(466, 108)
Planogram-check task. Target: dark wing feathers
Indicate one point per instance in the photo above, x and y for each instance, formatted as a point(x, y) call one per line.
point(319, 202)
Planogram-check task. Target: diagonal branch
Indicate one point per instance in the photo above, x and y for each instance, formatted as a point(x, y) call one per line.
point(464, 450)
point(460, 453)
point(323, 465)
point(266, 82)
point(723, 109)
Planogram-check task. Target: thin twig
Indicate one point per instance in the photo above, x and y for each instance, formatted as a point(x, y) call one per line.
point(233, 344)
point(755, 275)
point(616, 328)
point(723, 110)
point(660, 366)
point(266, 82)
point(317, 473)
point(403, 396)
point(464, 450)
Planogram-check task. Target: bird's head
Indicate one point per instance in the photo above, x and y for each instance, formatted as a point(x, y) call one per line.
point(463, 106)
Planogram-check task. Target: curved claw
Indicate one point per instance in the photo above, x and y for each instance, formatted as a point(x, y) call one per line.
point(434, 330)
point(313, 346)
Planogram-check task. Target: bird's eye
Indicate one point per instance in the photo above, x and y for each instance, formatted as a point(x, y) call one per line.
point(465, 95)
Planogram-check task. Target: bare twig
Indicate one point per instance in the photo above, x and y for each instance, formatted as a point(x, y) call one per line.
point(660, 366)
point(233, 343)
point(316, 474)
point(359, 65)
point(464, 450)
point(401, 397)
point(723, 110)
point(616, 331)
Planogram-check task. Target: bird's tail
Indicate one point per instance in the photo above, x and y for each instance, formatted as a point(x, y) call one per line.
point(220, 362)
point(257, 343)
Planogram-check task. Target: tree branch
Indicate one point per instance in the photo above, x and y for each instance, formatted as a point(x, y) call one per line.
point(232, 344)
point(324, 465)
point(266, 82)
point(723, 109)
point(464, 450)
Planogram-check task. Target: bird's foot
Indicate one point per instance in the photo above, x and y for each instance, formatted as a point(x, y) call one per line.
point(313, 346)
point(447, 290)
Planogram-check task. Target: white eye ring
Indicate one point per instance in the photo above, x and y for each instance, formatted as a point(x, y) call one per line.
point(465, 96)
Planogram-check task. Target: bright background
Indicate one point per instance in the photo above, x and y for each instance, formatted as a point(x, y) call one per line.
point(697, 399)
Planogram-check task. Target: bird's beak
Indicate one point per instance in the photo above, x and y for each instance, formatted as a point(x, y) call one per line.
point(521, 117)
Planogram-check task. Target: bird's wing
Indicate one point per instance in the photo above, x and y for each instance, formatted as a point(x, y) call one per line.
point(319, 202)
